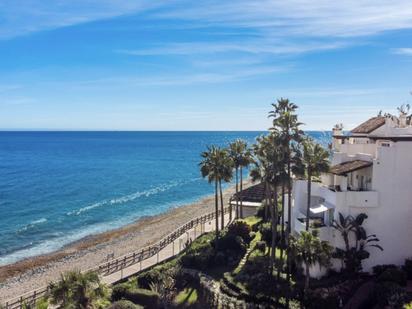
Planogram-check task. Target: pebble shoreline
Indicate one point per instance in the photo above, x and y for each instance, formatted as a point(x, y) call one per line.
point(30, 274)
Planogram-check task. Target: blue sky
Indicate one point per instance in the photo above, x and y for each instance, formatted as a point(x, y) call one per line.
point(200, 65)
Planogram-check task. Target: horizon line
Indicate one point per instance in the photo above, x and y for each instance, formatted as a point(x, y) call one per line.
point(112, 130)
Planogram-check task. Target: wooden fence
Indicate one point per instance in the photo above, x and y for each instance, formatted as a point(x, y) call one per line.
point(120, 263)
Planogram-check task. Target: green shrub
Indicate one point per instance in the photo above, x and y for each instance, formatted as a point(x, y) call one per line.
point(261, 212)
point(261, 246)
point(407, 267)
point(146, 278)
point(147, 298)
point(240, 228)
point(266, 231)
point(389, 293)
point(42, 303)
point(315, 300)
point(379, 269)
point(119, 291)
point(198, 258)
point(395, 275)
point(124, 304)
point(232, 242)
point(154, 274)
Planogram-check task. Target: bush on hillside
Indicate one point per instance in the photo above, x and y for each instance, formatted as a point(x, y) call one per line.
point(379, 269)
point(316, 300)
point(261, 246)
point(395, 275)
point(124, 304)
point(147, 298)
point(240, 228)
point(407, 267)
point(389, 294)
point(231, 242)
point(198, 258)
point(261, 212)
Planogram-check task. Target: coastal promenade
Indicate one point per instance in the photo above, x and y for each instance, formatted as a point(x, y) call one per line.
point(170, 250)
point(137, 261)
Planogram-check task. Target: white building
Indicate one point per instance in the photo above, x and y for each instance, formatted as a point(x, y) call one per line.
point(371, 173)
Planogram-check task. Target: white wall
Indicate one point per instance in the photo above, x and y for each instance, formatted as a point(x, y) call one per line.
point(389, 206)
point(392, 221)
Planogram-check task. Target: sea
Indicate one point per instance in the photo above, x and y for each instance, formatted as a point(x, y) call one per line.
point(59, 187)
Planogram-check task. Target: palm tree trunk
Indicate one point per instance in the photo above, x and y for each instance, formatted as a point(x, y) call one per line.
point(267, 205)
point(217, 209)
point(221, 206)
point(283, 230)
point(308, 203)
point(307, 277)
point(241, 193)
point(273, 214)
point(237, 193)
point(289, 230)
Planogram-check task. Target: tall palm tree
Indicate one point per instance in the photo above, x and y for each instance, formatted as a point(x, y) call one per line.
point(245, 160)
point(310, 250)
point(217, 166)
point(236, 149)
point(316, 161)
point(209, 167)
point(285, 122)
point(268, 170)
point(225, 174)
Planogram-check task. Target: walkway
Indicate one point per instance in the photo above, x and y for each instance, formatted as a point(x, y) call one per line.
point(167, 252)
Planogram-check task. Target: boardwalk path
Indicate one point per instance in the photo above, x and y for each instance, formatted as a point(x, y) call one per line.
point(131, 264)
point(170, 250)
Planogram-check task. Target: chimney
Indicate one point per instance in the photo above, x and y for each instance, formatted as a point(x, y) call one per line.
point(337, 134)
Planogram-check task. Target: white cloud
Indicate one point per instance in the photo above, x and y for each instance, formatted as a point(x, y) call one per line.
point(273, 18)
point(315, 18)
point(19, 17)
point(182, 79)
point(252, 47)
point(406, 51)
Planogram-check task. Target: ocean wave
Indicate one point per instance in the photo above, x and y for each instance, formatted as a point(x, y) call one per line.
point(130, 197)
point(54, 244)
point(31, 225)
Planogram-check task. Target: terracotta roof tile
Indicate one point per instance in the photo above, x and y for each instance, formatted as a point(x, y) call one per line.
point(350, 166)
point(370, 125)
point(255, 193)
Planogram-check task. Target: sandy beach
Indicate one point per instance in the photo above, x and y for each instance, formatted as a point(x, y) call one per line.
point(33, 273)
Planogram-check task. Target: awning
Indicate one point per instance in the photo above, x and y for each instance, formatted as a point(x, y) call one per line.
point(322, 207)
point(247, 204)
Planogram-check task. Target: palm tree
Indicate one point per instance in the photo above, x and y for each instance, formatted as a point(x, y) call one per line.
point(217, 166)
point(236, 149)
point(245, 160)
point(79, 290)
point(310, 250)
point(225, 174)
point(60, 291)
point(268, 170)
point(285, 122)
point(209, 167)
point(353, 255)
point(87, 288)
point(316, 161)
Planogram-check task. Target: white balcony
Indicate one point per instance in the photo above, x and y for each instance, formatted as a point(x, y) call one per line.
point(355, 149)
